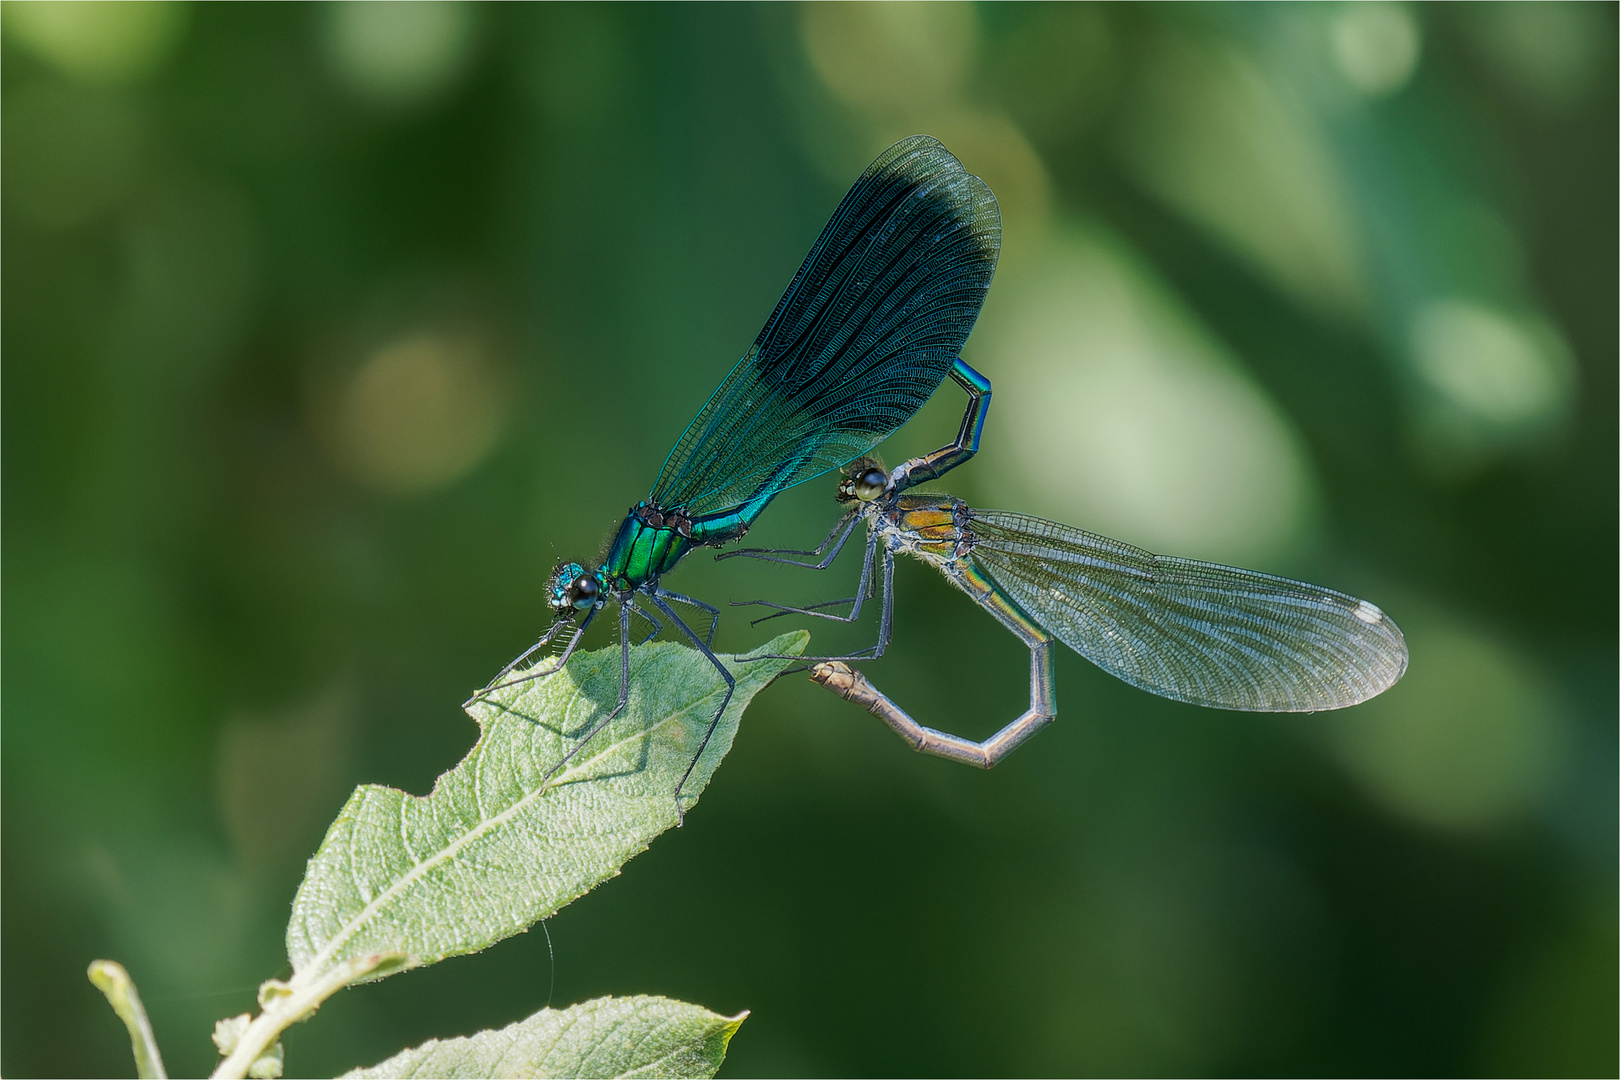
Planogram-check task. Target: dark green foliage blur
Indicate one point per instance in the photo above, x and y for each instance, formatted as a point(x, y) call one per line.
point(329, 329)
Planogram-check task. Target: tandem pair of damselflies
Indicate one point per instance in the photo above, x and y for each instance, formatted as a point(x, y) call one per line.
point(867, 330)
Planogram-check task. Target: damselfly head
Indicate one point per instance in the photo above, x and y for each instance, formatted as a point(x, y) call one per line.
point(863, 481)
point(573, 588)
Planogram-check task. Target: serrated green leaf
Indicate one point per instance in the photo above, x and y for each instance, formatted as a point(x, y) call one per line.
point(493, 849)
point(633, 1036)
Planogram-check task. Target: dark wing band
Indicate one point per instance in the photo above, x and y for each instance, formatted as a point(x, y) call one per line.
point(864, 334)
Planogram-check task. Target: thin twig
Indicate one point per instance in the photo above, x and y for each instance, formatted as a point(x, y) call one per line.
point(111, 979)
point(286, 1003)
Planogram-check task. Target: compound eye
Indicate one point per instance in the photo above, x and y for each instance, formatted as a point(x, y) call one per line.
point(562, 586)
point(870, 484)
point(583, 591)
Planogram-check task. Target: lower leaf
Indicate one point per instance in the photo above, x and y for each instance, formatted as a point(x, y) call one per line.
point(633, 1036)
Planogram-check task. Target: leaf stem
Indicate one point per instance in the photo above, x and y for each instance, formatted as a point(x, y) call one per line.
point(111, 979)
point(286, 1003)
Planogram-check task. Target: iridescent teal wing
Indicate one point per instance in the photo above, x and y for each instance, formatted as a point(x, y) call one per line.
point(864, 334)
point(1192, 631)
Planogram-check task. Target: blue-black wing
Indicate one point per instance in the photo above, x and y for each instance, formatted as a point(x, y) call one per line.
point(864, 334)
point(1192, 631)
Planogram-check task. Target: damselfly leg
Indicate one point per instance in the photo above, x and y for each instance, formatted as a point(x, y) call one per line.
point(652, 621)
point(851, 685)
point(714, 612)
point(731, 685)
point(863, 589)
point(500, 681)
point(842, 531)
point(624, 695)
point(628, 606)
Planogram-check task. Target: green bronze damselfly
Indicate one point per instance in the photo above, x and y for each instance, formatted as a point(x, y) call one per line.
point(1191, 631)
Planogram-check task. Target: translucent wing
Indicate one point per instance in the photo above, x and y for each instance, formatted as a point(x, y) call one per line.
point(1192, 631)
point(866, 332)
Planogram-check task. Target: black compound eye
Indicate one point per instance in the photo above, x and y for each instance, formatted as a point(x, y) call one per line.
point(584, 590)
point(870, 484)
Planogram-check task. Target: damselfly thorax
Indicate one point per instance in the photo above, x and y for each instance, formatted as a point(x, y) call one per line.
point(935, 528)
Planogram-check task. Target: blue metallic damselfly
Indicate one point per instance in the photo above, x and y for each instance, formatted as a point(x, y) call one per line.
point(870, 326)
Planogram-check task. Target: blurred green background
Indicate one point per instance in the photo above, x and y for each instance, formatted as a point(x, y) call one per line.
point(329, 328)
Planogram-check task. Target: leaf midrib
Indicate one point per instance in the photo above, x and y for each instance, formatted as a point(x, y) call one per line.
point(324, 956)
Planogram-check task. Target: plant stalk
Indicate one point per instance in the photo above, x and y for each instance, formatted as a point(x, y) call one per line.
point(285, 1004)
point(111, 979)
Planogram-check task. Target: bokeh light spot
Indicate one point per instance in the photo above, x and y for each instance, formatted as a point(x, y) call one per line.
point(904, 68)
point(419, 413)
point(1218, 139)
point(98, 41)
point(1376, 46)
point(1129, 419)
point(398, 52)
point(1505, 372)
point(1552, 52)
point(892, 57)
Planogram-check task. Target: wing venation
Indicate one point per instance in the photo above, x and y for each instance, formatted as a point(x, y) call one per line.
point(1192, 631)
point(865, 333)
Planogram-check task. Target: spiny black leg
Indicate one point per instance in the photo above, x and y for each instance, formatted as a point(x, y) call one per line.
point(845, 526)
point(545, 639)
point(731, 685)
point(573, 643)
point(808, 609)
point(885, 624)
point(862, 590)
point(657, 627)
point(714, 612)
point(624, 693)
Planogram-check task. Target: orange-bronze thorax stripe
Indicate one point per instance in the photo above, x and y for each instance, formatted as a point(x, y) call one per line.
point(938, 523)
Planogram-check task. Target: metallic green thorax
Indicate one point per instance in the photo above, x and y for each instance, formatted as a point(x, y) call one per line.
point(643, 552)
